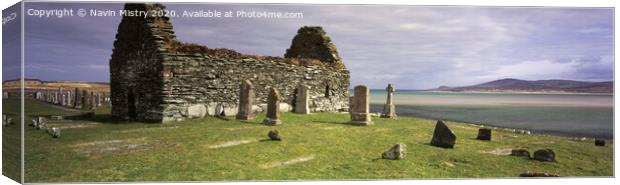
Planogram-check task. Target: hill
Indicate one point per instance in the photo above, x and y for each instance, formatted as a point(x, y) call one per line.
point(516, 85)
point(37, 84)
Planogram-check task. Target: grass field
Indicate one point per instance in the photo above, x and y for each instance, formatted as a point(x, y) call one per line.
point(11, 141)
point(317, 146)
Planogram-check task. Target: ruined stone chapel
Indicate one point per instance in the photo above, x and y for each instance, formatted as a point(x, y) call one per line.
point(154, 77)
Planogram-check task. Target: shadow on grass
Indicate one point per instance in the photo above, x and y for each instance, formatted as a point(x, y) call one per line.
point(333, 122)
point(429, 144)
point(268, 140)
point(106, 119)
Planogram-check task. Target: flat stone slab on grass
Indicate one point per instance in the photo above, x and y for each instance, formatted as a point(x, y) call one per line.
point(73, 125)
point(232, 143)
point(113, 147)
point(288, 162)
point(144, 129)
point(499, 151)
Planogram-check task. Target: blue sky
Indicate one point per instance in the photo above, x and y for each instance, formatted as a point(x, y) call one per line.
point(413, 47)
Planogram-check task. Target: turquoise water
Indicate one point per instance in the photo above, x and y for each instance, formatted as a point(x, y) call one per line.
point(578, 115)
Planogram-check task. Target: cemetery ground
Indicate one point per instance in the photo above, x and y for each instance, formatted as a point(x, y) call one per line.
point(313, 147)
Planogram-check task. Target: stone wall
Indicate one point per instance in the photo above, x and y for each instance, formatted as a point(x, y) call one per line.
point(156, 78)
point(136, 65)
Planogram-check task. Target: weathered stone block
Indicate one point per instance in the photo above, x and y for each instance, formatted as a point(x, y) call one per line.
point(544, 155)
point(484, 134)
point(397, 152)
point(196, 111)
point(360, 111)
point(443, 136)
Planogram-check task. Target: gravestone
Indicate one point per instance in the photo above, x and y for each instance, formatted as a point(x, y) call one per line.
point(78, 98)
point(537, 174)
point(360, 108)
point(60, 95)
point(301, 100)
point(196, 111)
point(63, 100)
point(484, 134)
point(246, 100)
point(69, 98)
point(520, 152)
point(544, 155)
point(397, 152)
point(56, 117)
point(33, 123)
point(443, 136)
point(85, 100)
point(41, 119)
point(274, 135)
point(98, 100)
point(599, 142)
point(389, 110)
point(93, 102)
point(273, 108)
point(55, 132)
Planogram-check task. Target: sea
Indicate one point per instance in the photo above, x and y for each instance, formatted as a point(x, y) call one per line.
point(572, 115)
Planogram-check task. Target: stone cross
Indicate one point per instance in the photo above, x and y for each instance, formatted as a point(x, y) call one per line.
point(360, 110)
point(389, 110)
point(246, 99)
point(301, 100)
point(273, 108)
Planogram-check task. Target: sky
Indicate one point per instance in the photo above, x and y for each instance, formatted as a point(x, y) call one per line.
point(412, 47)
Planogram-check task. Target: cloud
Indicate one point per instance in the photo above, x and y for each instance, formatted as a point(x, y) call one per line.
point(413, 47)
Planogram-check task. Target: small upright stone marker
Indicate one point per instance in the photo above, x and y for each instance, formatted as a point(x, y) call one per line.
point(55, 132)
point(301, 100)
point(484, 134)
point(360, 109)
point(33, 123)
point(273, 108)
point(537, 174)
point(389, 110)
point(246, 99)
point(9, 121)
point(274, 135)
point(544, 155)
point(599, 142)
point(397, 152)
point(41, 119)
point(443, 136)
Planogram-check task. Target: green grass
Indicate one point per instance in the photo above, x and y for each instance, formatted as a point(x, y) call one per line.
point(181, 151)
point(11, 141)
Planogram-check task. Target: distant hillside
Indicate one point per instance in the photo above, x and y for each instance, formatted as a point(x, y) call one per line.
point(32, 84)
point(516, 85)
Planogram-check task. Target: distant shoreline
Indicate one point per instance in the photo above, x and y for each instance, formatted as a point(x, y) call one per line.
point(519, 92)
